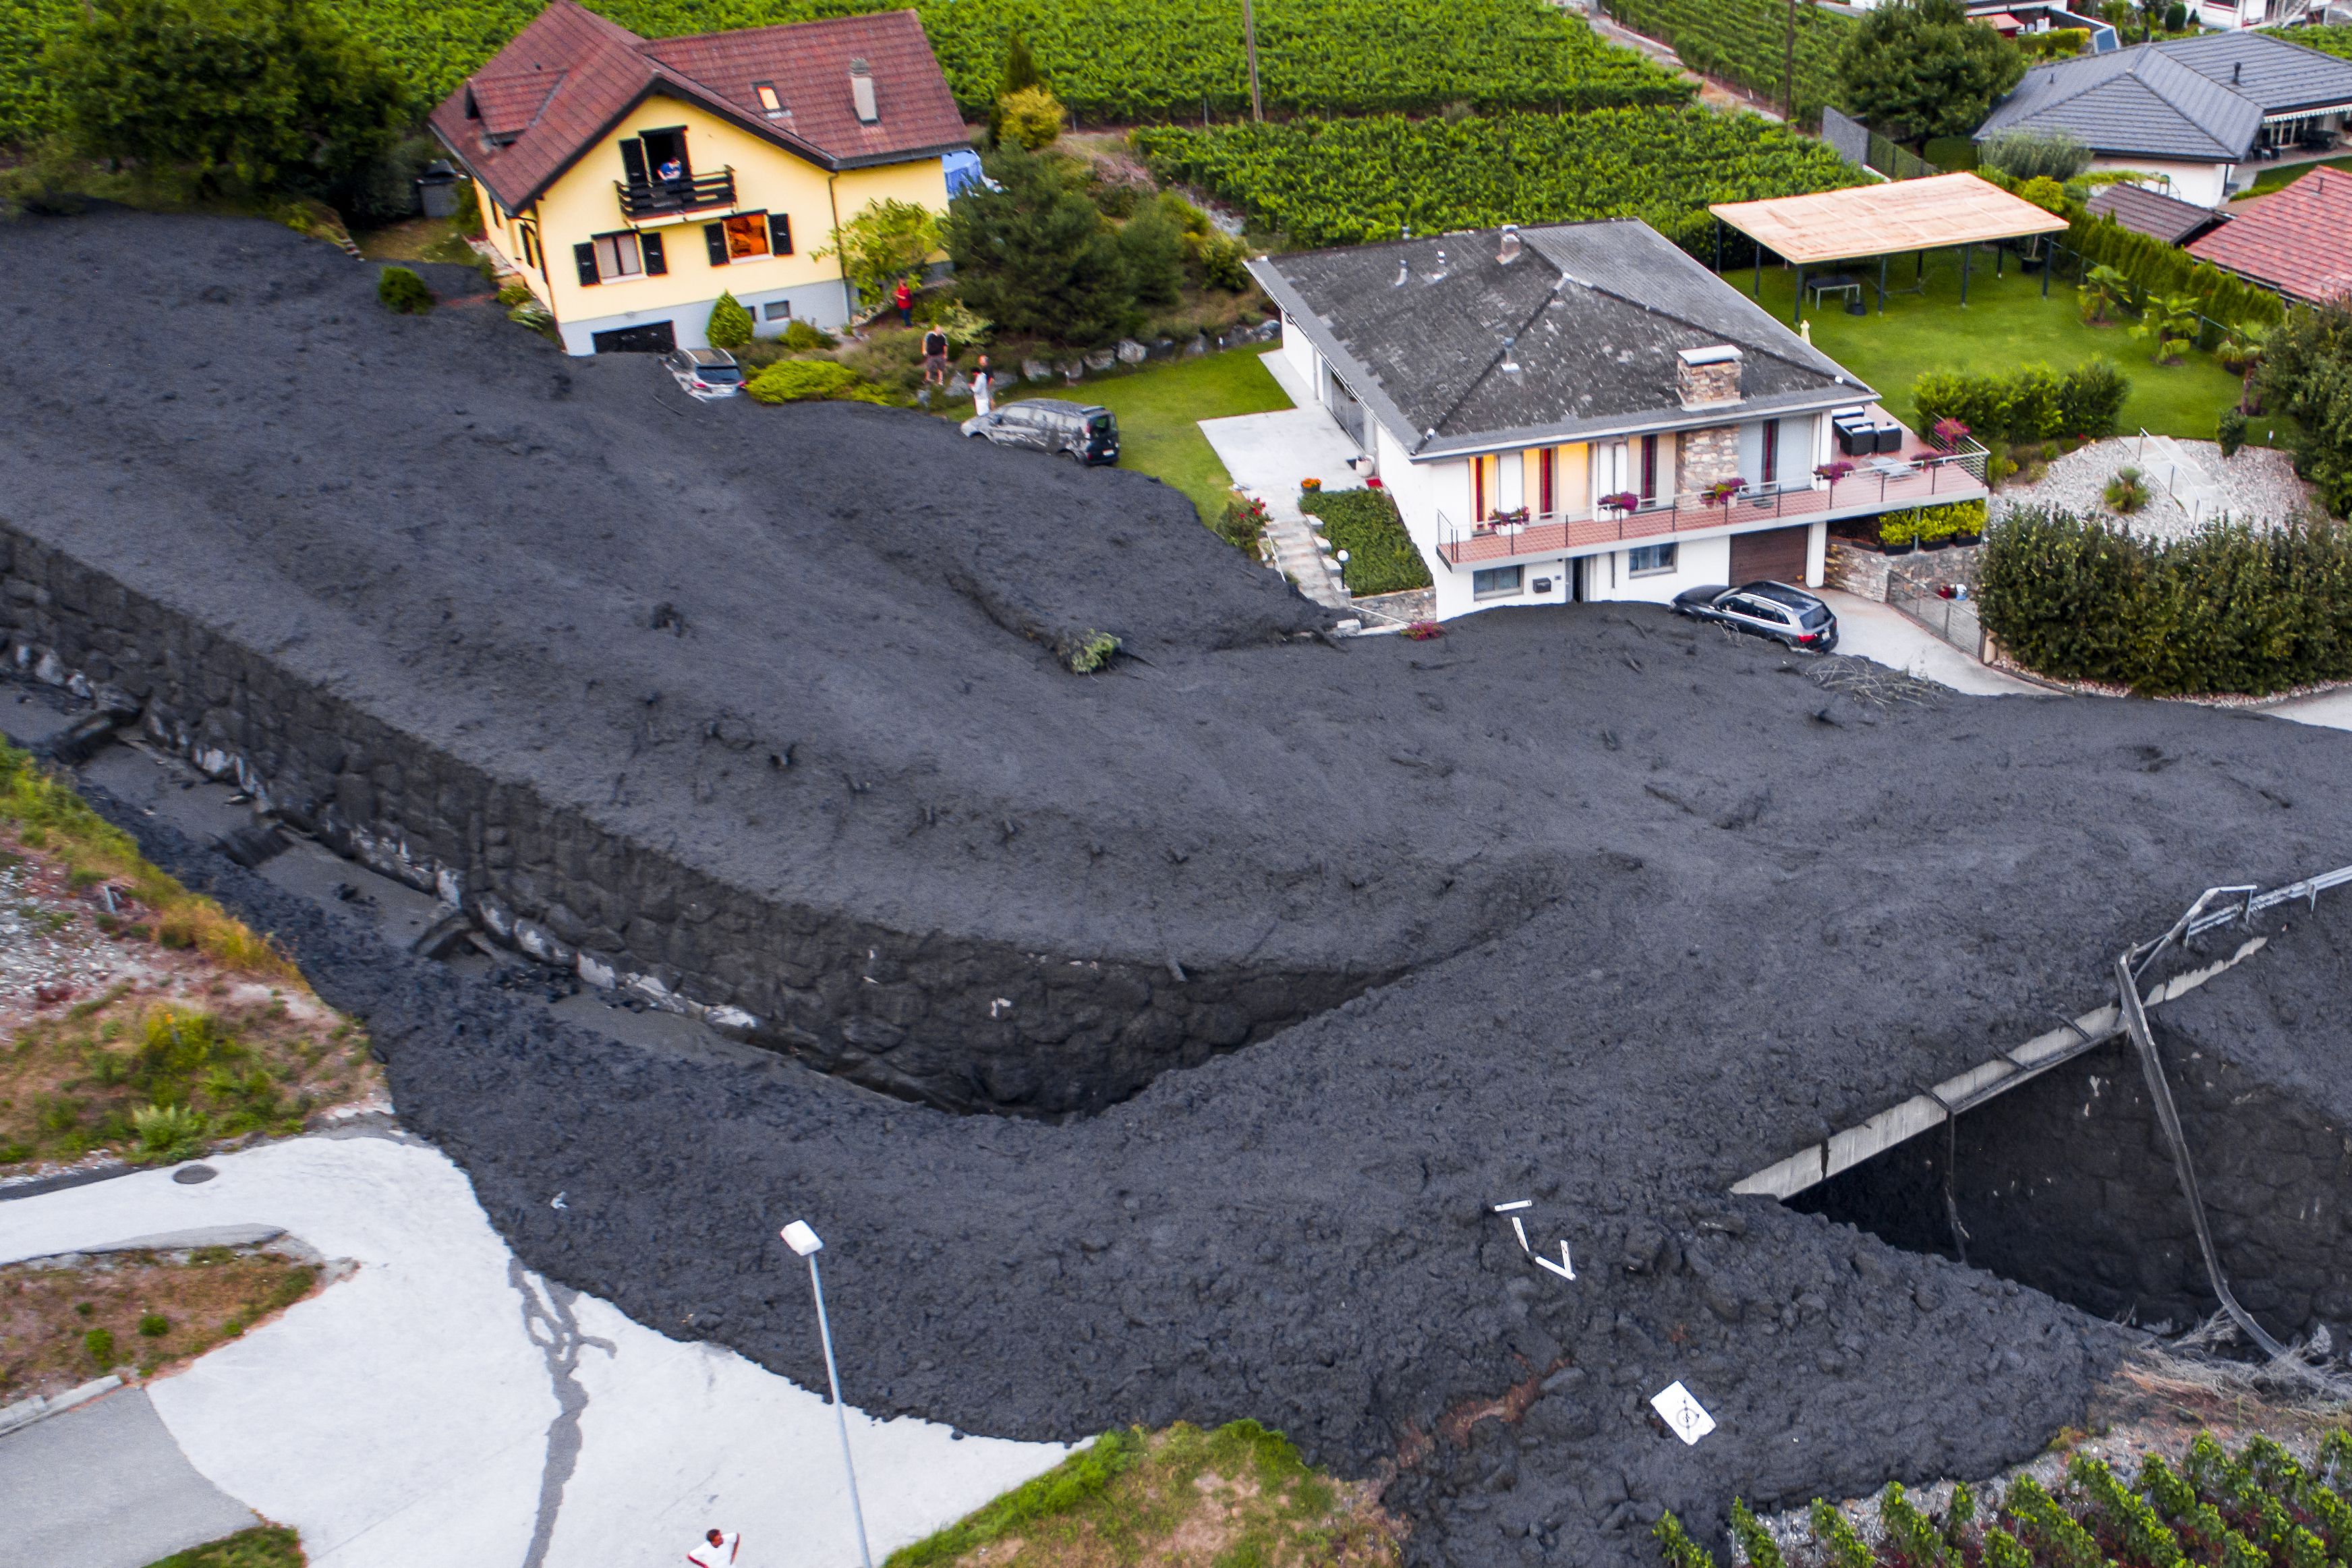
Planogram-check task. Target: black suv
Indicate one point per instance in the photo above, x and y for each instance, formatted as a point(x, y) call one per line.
point(1773, 610)
point(1083, 432)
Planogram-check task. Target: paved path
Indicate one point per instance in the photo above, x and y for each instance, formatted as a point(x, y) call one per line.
point(106, 1486)
point(446, 1406)
point(1880, 631)
point(2331, 710)
point(1268, 453)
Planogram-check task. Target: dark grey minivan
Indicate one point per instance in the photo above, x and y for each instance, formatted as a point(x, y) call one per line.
point(1083, 432)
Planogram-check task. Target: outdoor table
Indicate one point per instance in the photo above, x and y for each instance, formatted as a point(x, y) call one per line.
point(1835, 283)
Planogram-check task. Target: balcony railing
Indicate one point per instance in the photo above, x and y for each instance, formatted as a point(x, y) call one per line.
point(641, 200)
point(1878, 485)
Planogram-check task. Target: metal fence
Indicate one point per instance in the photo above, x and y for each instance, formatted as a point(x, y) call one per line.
point(1954, 619)
point(1864, 148)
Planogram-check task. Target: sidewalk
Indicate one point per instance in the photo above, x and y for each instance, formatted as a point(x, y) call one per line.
point(1881, 633)
point(1267, 455)
point(444, 1404)
point(2329, 710)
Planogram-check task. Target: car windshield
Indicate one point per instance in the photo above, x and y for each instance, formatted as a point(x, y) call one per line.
point(720, 373)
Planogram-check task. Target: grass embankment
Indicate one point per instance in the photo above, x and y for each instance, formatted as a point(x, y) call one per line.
point(135, 1310)
point(1160, 412)
point(267, 1547)
point(1239, 1497)
point(2005, 324)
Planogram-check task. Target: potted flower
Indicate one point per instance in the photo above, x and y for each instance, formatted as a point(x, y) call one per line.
point(1311, 486)
point(1620, 501)
point(1721, 491)
point(1374, 484)
point(1899, 533)
point(1968, 523)
point(1934, 528)
point(1949, 432)
point(1423, 631)
point(1834, 471)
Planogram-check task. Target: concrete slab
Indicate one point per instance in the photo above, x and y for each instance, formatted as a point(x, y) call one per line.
point(1269, 454)
point(1884, 634)
point(444, 1404)
point(1285, 376)
point(2330, 710)
point(107, 1486)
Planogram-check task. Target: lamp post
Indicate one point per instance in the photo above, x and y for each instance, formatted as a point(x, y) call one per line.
point(804, 1241)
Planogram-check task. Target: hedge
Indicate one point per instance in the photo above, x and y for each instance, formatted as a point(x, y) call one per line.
point(1382, 556)
point(796, 380)
point(1746, 41)
point(2156, 268)
point(2230, 609)
point(2034, 404)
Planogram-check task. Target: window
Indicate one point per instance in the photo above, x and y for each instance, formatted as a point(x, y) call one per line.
point(777, 310)
point(531, 255)
point(1649, 469)
point(1544, 467)
point(1496, 582)
point(1771, 450)
point(1646, 559)
point(618, 255)
point(769, 104)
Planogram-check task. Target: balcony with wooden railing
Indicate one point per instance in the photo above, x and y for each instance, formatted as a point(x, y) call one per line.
point(650, 201)
point(1919, 475)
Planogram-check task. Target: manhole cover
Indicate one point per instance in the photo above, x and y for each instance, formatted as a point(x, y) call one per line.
point(189, 1176)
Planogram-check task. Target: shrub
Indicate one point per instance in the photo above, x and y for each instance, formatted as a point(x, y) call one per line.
point(2029, 155)
point(801, 338)
point(2230, 431)
point(1756, 1542)
point(1084, 1474)
point(2032, 405)
point(1910, 1533)
point(1382, 556)
point(731, 324)
point(2044, 192)
point(2170, 322)
point(1035, 255)
point(1086, 651)
point(1841, 1546)
point(1920, 68)
point(2227, 609)
point(168, 1133)
point(2126, 492)
point(154, 1325)
point(98, 1345)
point(2057, 44)
point(800, 381)
point(1242, 523)
point(2307, 372)
point(2152, 266)
point(885, 241)
point(403, 292)
point(1154, 249)
point(1031, 118)
point(1676, 1547)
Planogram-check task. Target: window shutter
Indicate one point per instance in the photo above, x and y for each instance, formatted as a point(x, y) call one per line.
point(780, 233)
point(657, 260)
point(633, 161)
point(585, 255)
point(717, 235)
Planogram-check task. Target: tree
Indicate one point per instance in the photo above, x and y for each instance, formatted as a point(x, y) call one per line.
point(1917, 68)
point(1031, 118)
point(2024, 155)
point(2103, 290)
point(731, 324)
point(2306, 373)
point(887, 241)
point(1153, 245)
point(1021, 71)
point(264, 95)
point(1035, 255)
point(2170, 321)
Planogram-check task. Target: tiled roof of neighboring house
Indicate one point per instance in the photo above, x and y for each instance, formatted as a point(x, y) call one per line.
point(2298, 240)
point(567, 78)
point(2144, 211)
point(1454, 349)
point(2200, 99)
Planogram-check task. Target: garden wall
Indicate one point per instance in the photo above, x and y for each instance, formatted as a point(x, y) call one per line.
point(883, 1007)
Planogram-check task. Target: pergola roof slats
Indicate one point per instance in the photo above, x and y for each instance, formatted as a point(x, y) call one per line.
point(1883, 220)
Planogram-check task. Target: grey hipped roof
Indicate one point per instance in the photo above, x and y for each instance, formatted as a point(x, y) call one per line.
point(2159, 217)
point(2202, 99)
point(1425, 333)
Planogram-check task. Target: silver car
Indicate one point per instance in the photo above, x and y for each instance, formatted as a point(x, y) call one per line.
point(704, 372)
point(1773, 610)
point(1082, 431)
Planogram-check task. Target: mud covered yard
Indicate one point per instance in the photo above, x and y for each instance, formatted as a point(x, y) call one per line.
point(1641, 910)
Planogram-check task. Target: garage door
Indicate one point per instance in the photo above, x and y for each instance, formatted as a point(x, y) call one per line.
point(1770, 555)
point(654, 337)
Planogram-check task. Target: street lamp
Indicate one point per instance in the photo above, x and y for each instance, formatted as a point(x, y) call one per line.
point(804, 1241)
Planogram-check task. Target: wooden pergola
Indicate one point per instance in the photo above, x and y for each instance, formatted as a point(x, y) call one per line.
point(1864, 221)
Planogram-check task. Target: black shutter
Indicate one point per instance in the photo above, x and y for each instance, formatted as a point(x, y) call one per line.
point(585, 255)
point(780, 233)
point(633, 161)
point(716, 233)
point(657, 260)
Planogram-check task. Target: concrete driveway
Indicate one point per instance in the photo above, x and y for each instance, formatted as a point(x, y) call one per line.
point(1879, 632)
point(446, 1406)
point(2331, 710)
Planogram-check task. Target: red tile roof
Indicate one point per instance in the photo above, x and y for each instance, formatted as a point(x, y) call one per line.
point(568, 77)
point(2298, 240)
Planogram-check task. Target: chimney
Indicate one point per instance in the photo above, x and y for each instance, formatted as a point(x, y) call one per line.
point(861, 93)
point(1404, 272)
point(1509, 252)
point(2236, 67)
point(1706, 378)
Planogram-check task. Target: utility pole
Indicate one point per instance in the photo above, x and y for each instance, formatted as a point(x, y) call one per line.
point(1249, 42)
point(1789, 69)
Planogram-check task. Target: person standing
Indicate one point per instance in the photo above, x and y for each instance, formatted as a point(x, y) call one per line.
point(904, 299)
point(983, 396)
point(935, 358)
point(717, 1550)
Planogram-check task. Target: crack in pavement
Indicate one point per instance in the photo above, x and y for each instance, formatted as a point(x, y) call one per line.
point(547, 1305)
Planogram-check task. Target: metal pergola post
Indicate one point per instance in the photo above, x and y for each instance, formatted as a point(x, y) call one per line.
point(1965, 249)
point(1882, 284)
point(2049, 260)
point(1718, 247)
point(1797, 308)
point(1758, 289)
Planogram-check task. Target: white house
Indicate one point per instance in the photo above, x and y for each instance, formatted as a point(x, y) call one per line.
point(1584, 411)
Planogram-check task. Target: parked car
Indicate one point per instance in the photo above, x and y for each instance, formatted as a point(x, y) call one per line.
point(1082, 431)
point(704, 372)
point(1773, 610)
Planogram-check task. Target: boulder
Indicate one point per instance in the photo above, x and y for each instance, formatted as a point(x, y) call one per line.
point(959, 385)
point(1197, 347)
point(1101, 358)
point(1036, 371)
point(1127, 351)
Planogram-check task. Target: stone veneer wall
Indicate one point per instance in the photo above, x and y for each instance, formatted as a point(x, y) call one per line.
point(958, 1022)
point(1702, 458)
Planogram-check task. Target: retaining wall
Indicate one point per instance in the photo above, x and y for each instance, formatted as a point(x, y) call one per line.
point(958, 1023)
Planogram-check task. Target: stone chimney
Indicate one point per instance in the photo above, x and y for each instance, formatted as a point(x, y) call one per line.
point(861, 93)
point(1509, 252)
point(1708, 378)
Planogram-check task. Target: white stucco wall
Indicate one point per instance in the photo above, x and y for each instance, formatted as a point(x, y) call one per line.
point(1302, 357)
point(1696, 561)
point(2205, 185)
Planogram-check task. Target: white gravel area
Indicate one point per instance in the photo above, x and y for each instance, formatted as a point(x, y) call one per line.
point(2257, 486)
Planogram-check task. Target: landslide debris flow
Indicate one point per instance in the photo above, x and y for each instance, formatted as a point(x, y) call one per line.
point(1659, 906)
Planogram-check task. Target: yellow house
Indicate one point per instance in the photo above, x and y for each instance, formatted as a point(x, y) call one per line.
point(630, 182)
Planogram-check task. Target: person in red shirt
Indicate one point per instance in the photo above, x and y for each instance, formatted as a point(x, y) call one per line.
point(905, 300)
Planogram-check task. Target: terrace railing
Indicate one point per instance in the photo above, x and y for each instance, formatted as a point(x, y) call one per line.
point(1955, 476)
point(641, 200)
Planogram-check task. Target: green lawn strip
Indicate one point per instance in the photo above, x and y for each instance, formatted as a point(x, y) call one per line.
point(1382, 557)
point(2279, 179)
point(1121, 1498)
point(266, 1546)
point(2005, 324)
point(1159, 409)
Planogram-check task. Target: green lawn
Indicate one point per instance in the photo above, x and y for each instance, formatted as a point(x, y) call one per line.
point(2006, 324)
point(1159, 408)
point(2275, 179)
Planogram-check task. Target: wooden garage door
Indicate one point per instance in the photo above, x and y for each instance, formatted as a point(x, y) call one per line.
point(1773, 555)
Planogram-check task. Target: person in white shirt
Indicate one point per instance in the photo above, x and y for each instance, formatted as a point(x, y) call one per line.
point(983, 394)
point(717, 1548)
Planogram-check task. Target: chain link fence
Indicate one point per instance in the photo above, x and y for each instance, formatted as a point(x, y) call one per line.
point(1937, 597)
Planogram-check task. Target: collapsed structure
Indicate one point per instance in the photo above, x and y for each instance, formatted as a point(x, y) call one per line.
point(1291, 957)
